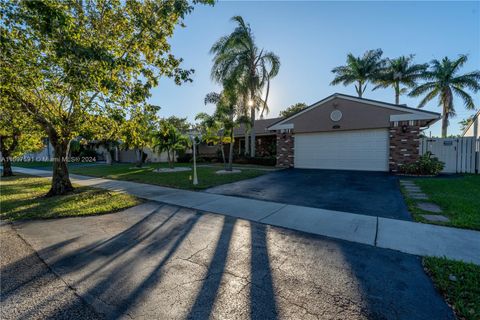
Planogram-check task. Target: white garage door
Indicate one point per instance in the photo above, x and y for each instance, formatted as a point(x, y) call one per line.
point(343, 150)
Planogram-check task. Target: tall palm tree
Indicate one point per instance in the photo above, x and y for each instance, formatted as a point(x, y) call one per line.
point(228, 114)
point(444, 81)
point(398, 72)
point(237, 56)
point(359, 70)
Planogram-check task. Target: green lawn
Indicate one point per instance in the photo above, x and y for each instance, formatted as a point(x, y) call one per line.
point(459, 198)
point(22, 197)
point(207, 176)
point(459, 283)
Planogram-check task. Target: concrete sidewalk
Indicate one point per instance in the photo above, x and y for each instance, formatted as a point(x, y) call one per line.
point(409, 237)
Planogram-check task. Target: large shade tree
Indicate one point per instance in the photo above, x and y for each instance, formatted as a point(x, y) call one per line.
point(63, 58)
point(401, 74)
point(443, 80)
point(237, 56)
point(359, 70)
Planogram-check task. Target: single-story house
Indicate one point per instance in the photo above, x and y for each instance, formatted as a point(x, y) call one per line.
point(350, 133)
point(265, 140)
point(473, 129)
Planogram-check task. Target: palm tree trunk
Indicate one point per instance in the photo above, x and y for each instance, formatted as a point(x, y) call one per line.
point(246, 152)
point(397, 93)
point(222, 149)
point(447, 106)
point(252, 133)
point(359, 89)
point(230, 153)
point(444, 121)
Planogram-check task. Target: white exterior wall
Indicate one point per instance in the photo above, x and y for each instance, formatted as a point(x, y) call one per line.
point(473, 130)
point(130, 156)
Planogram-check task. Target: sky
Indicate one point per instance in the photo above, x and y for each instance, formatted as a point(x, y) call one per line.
point(312, 37)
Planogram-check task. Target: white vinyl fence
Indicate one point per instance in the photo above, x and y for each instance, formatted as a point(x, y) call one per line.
point(460, 155)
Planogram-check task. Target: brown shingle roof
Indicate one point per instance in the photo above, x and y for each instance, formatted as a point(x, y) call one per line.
point(260, 127)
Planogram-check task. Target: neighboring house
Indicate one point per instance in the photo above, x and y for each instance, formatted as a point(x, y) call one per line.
point(265, 140)
point(350, 133)
point(152, 156)
point(473, 129)
point(119, 155)
point(45, 154)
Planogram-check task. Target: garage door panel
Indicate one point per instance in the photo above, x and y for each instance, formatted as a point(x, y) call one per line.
point(344, 150)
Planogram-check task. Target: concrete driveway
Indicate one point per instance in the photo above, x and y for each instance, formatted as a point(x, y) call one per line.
point(369, 193)
point(158, 261)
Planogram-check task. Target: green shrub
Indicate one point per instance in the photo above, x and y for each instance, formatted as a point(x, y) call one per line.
point(185, 157)
point(427, 164)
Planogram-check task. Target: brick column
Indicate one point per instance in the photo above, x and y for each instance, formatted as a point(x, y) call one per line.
point(285, 145)
point(404, 143)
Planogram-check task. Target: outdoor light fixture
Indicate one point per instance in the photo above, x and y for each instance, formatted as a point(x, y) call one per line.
point(195, 137)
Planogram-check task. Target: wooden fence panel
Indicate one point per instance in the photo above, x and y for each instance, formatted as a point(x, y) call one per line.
point(460, 155)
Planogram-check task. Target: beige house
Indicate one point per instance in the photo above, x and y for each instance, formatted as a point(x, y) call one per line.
point(350, 133)
point(473, 129)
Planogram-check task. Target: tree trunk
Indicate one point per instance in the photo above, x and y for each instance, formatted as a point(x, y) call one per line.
point(108, 156)
point(138, 152)
point(447, 105)
point(397, 93)
point(7, 164)
point(359, 89)
point(252, 134)
point(7, 152)
point(444, 123)
point(230, 154)
point(246, 152)
point(222, 149)
point(171, 159)
point(168, 158)
point(60, 179)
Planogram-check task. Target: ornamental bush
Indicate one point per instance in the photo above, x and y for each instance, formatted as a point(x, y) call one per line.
point(427, 164)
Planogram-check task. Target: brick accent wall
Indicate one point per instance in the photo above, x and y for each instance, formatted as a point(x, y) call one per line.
point(285, 145)
point(404, 146)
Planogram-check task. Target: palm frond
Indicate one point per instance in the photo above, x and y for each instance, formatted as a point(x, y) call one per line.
point(432, 94)
point(421, 89)
point(467, 99)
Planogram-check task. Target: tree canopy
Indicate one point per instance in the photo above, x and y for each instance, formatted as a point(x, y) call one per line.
point(18, 133)
point(359, 70)
point(170, 139)
point(65, 59)
point(137, 131)
point(238, 58)
point(400, 72)
point(294, 108)
point(443, 80)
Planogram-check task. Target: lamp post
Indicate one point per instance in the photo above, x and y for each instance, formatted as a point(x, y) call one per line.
point(193, 137)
